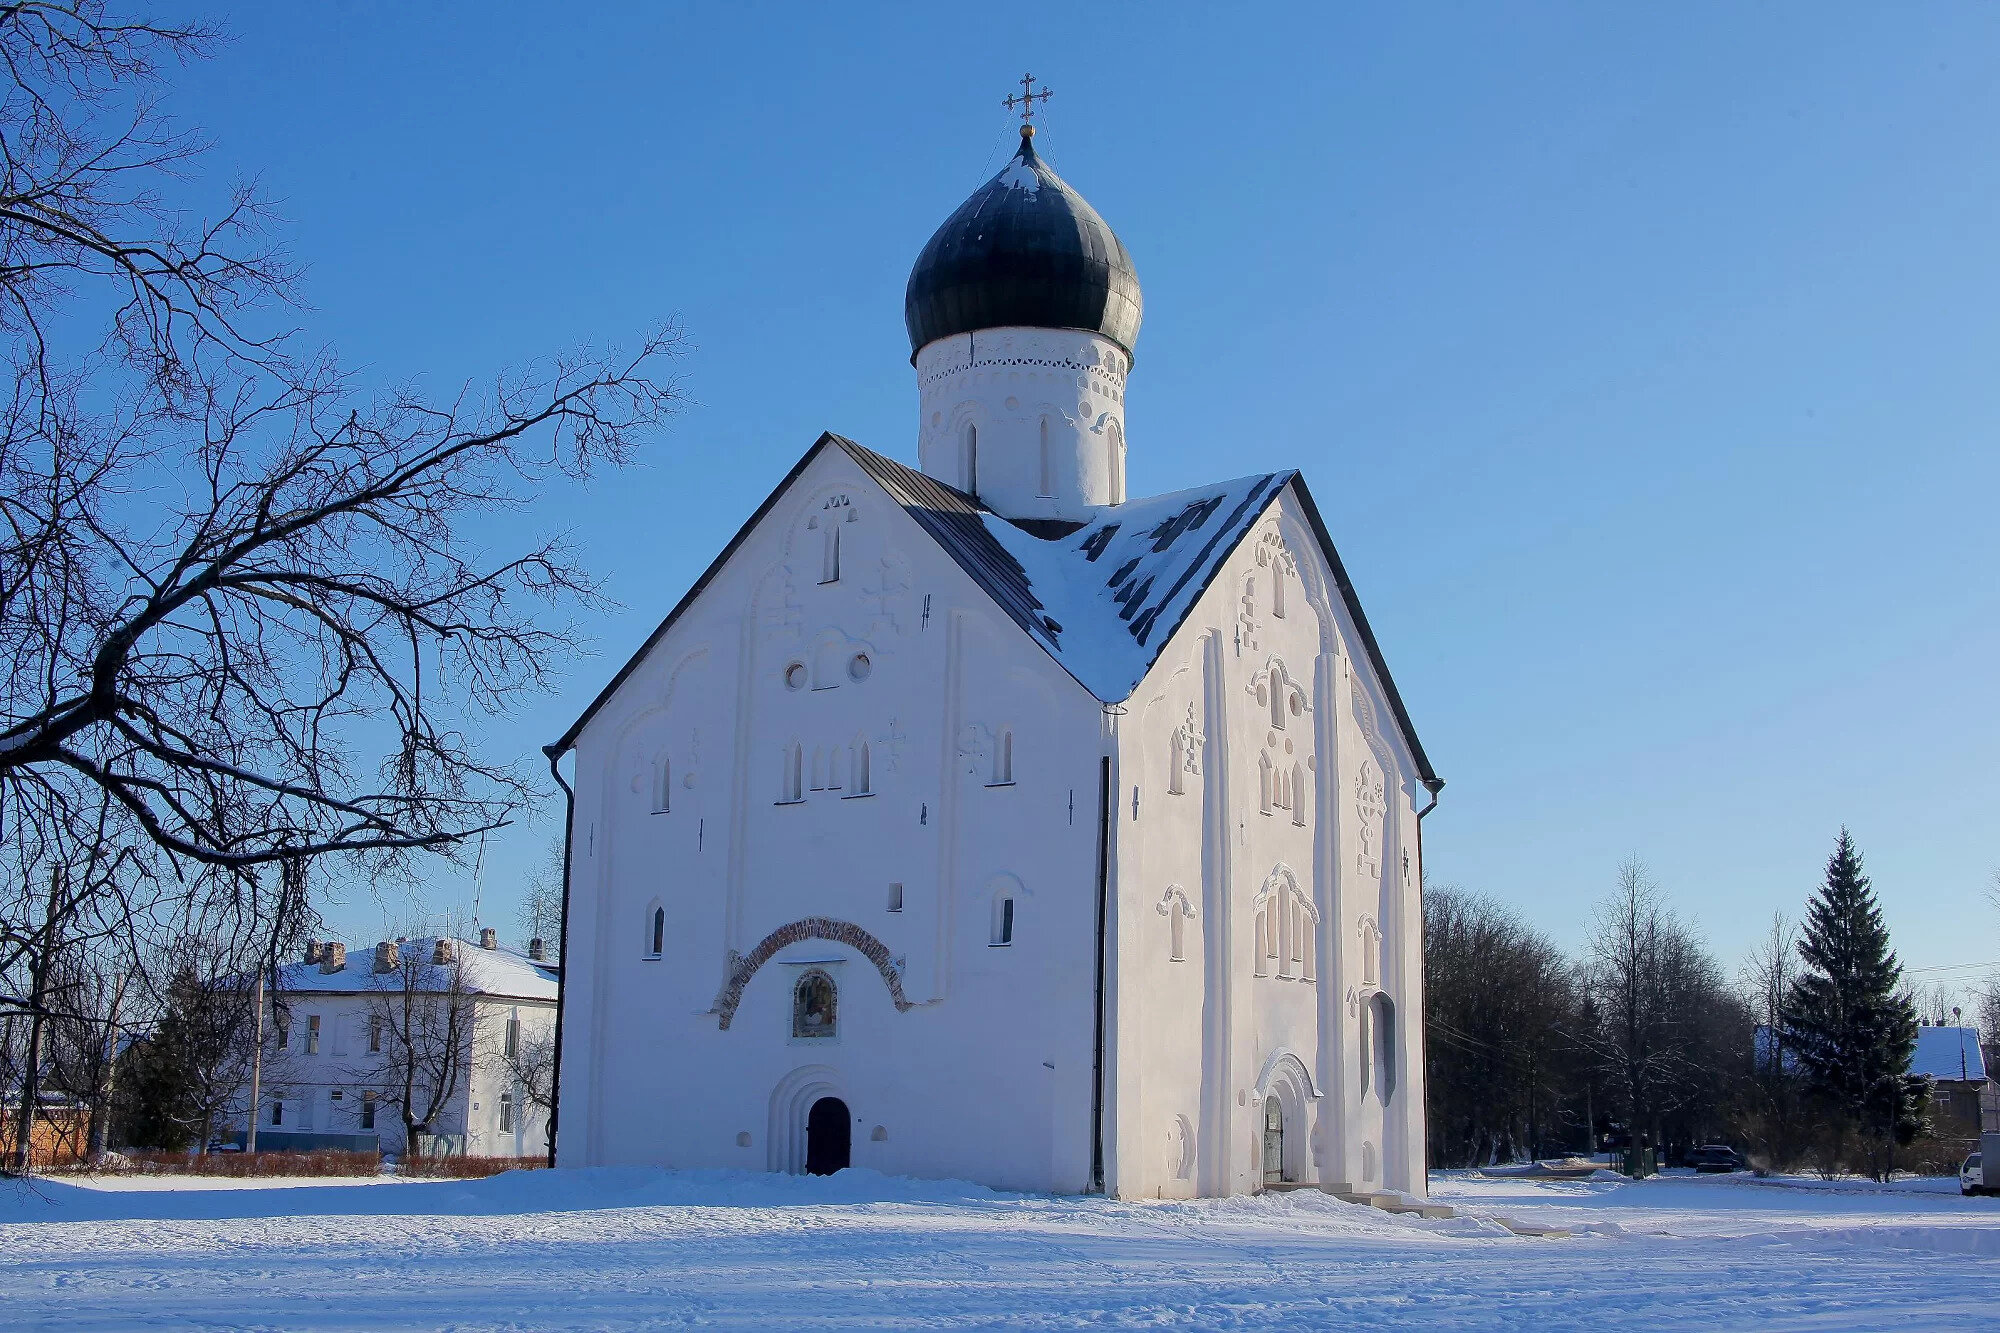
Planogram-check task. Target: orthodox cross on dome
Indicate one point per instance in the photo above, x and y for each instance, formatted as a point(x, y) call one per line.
point(1025, 100)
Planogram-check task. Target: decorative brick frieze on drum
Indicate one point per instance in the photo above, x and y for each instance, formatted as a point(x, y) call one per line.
point(742, 967)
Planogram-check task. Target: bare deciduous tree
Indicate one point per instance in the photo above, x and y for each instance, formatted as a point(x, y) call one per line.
point(541, 902)
point(1776, 1118)
point(240, 619)
point(1669, 1039)
point(531, 1064)
point(422, 1003)
point(1499, 1001)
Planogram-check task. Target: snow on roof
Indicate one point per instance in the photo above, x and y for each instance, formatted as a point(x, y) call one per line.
point(499, 971)
point(1104, 598)
point(1949, 1054)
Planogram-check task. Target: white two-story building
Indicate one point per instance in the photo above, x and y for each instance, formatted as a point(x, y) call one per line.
point(471, 1023)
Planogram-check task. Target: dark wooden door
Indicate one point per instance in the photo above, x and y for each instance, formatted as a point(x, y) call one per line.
point(828, 1137)
point(1274, 1141)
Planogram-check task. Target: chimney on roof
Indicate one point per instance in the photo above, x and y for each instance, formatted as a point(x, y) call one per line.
point(489, 938)
point(387, 957)
point(441, 953)
point(536, 951)
point(312, 951)
point(332, 957)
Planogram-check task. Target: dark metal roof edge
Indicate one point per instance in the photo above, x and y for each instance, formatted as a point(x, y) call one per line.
point(1432, 782)
point(700, 585)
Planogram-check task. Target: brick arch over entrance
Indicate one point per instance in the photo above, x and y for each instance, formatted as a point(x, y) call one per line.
point(744, 966)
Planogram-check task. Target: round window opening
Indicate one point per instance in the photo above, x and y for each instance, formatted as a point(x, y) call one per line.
point(859, 667)
point(795, 676)
point(1262, 697)
point(1298, 705)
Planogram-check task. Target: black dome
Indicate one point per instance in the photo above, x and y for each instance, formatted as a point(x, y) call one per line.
point(1024, 250)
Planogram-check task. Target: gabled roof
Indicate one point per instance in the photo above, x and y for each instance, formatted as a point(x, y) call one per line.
point(1102, 599)
point(1950, 1055)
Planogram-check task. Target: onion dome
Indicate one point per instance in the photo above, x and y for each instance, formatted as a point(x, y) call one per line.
point(1025, 250)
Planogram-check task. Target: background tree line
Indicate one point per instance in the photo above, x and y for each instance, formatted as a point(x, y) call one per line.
point(1801, 1060)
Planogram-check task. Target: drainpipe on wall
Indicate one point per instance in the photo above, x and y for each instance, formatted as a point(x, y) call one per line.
point(1433, 786)
point(555, 754)
point(1104, 816)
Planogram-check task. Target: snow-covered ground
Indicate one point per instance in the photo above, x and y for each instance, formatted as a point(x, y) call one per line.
point(629, 1248)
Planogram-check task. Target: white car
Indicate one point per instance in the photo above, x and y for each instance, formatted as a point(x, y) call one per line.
point(1972, 1176)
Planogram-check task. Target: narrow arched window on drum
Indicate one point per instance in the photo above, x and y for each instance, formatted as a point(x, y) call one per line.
point(814, 1006)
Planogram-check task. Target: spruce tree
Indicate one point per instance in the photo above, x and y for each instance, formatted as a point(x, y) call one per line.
point(1852, 1034)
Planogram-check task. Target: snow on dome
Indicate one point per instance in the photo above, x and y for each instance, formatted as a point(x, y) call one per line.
point(1020, 176)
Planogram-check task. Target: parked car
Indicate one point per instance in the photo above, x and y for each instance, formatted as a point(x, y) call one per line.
point(1716, 1157)
point(1972, 1176)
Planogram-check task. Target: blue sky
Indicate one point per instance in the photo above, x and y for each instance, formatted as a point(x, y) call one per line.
point(1642, 361)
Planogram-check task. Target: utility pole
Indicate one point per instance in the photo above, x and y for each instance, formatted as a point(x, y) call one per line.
point(100, 1121)
point(256, 1060)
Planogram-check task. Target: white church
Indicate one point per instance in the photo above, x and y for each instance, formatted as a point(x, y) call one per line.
point(977, 820)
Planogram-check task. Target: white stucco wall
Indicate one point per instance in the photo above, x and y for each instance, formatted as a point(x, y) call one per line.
point(1200, 1042)
point(987, 1073)
point(1046, 408)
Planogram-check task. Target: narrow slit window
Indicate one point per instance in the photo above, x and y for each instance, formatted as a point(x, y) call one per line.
point(1048, 488)
point(1277, 590)
point(1298, 795)
point(312, 1034)
point(659, 938)
point(895, 897)
point(971, 463)
point(863, 774)
point(1003, 758)
point(1178, 923)
point(830, 561)
point(513, 1047)
point(791, 785)
point(663, 781)
point(1003, 921)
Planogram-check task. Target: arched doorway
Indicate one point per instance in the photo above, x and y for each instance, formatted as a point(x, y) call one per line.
point(1274, 1142)
point(828, 1137)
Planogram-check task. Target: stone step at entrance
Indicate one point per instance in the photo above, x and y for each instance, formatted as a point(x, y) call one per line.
point(1394, 1203)
point(1391, 1202)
